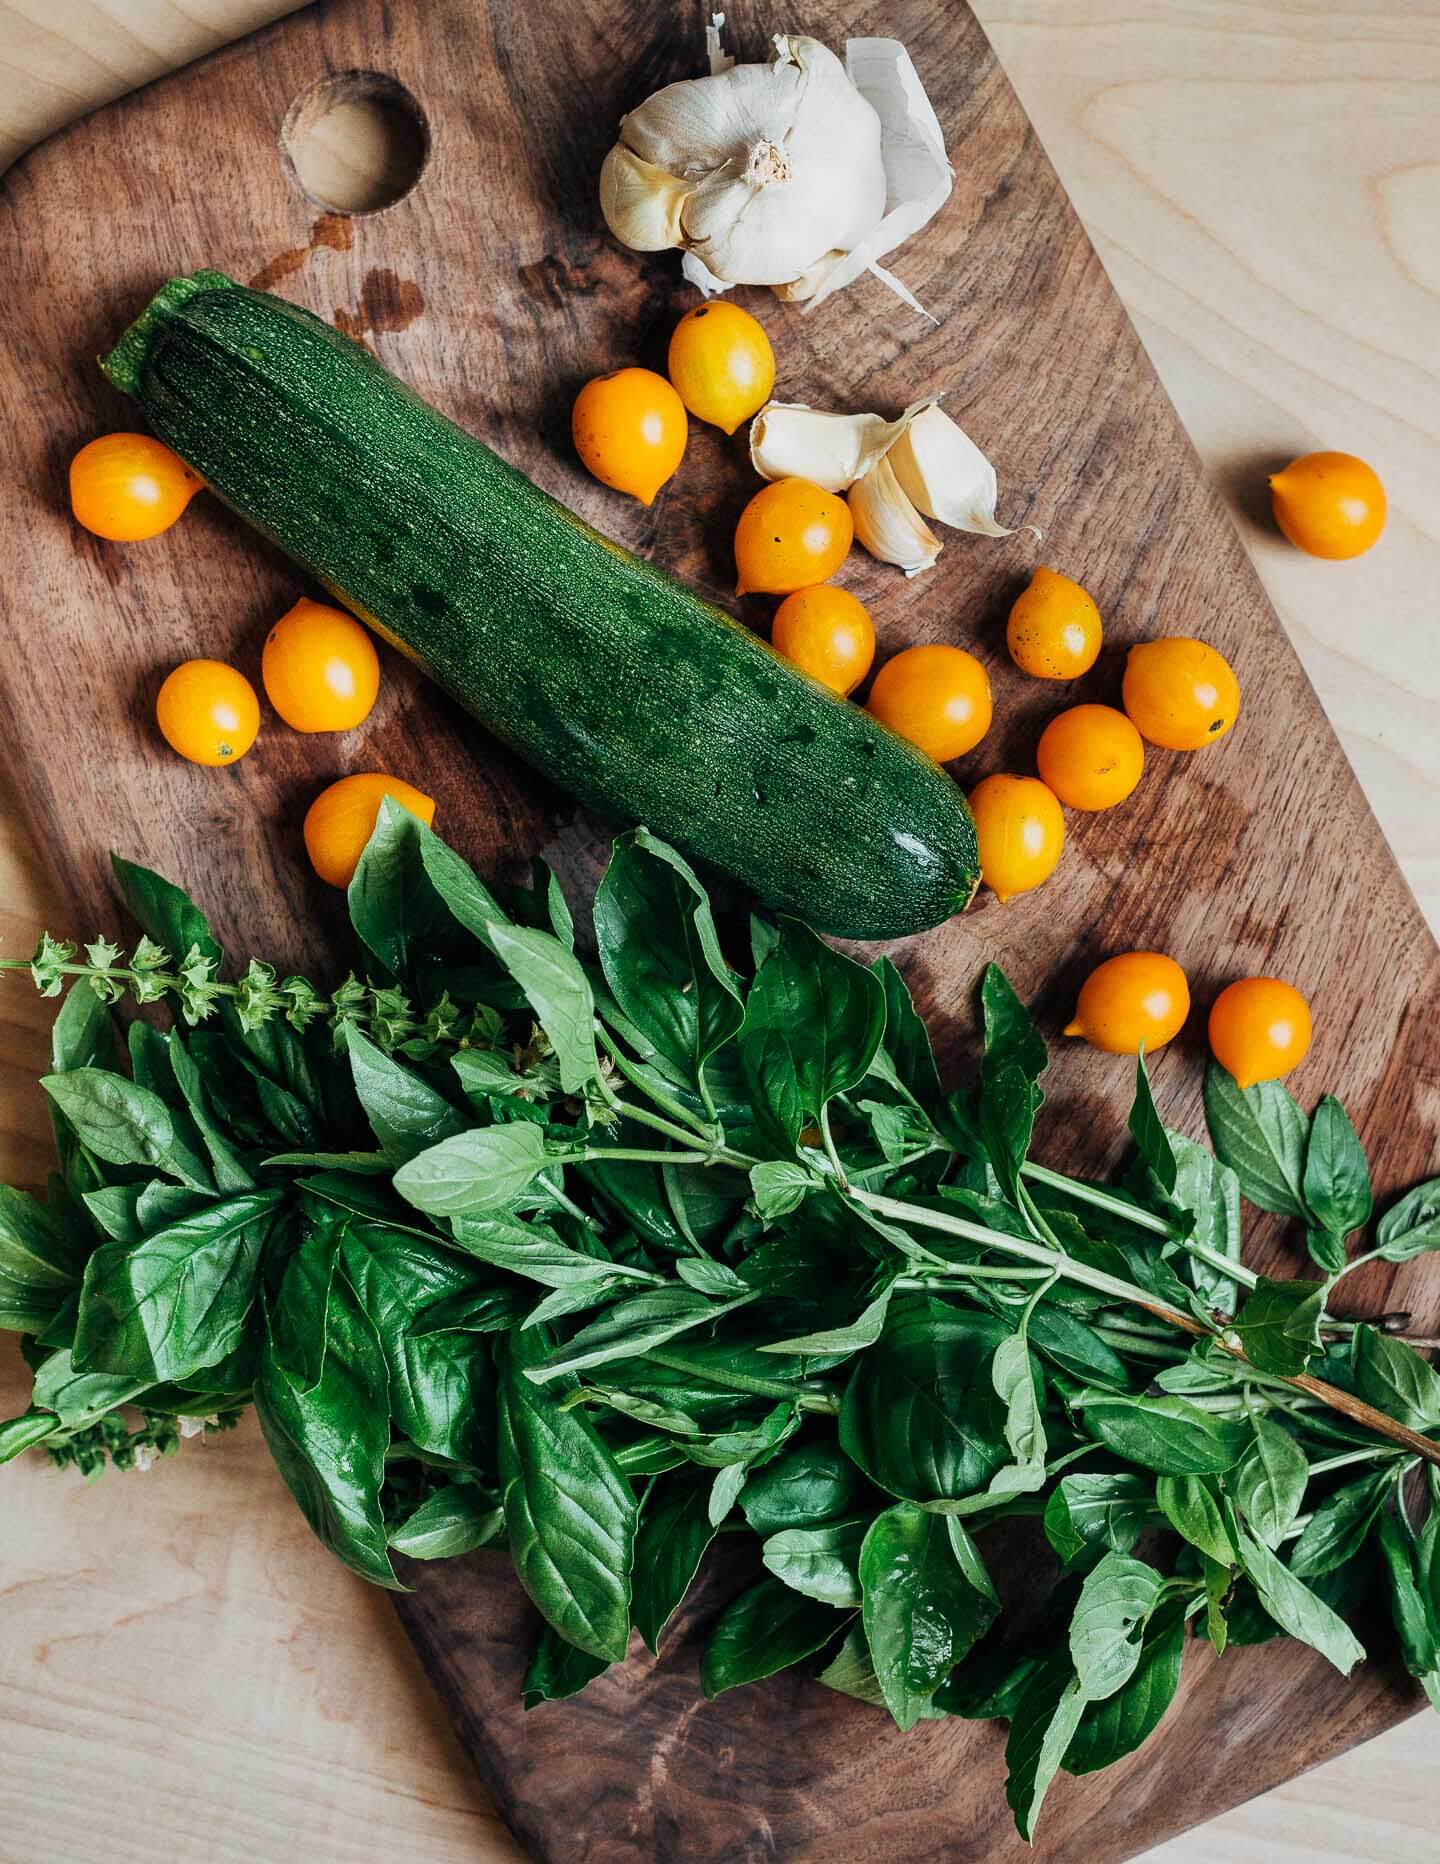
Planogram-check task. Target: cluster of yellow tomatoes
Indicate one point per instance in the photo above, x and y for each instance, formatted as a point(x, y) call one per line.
point(318, 667)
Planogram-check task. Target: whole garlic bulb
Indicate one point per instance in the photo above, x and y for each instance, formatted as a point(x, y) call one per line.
point(759, 171)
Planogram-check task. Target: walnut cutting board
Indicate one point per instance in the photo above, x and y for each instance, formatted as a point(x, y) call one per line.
point(494, 290)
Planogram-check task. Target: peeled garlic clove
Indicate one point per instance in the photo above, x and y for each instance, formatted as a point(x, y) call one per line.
point(888, 524)
point(643, 199)
point(790, 441)
point(945, 475)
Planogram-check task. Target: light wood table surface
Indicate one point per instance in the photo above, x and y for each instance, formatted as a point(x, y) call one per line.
point(185, 1677)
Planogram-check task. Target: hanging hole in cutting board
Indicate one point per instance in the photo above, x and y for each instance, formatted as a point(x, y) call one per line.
point(356, 142)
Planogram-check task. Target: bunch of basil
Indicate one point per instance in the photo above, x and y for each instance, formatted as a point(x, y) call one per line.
point(598, 1258)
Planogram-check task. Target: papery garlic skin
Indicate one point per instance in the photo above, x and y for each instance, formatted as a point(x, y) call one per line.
point(945, 475)
point(888, 525)
point(781, 164)
point(643, 198)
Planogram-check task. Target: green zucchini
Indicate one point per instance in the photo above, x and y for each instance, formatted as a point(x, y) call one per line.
point(600, 670)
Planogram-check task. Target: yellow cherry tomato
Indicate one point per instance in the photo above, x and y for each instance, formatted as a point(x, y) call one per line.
point(1139, 997)
point(1329, 504)
point(126, 487)
point(1021, 833)
point(1259, 1029)
point(938, 697)
point(320, 668)
point(827, 633)
point(722, 364)
point(207, 712)
point(342, 819)
point(1054, 631)
point(629, 429)
point(790, 536)
point(1091, 756)
point(1180, 693)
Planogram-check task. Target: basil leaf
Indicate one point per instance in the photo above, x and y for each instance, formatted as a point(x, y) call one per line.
point(779, 1186)
point(1210, 1190)
point(558, 1669)
point(1336, 1531)
point(1076, 1348)
point(1013, 1375)
point(1110, 1729)
point(1147, 1130)
point(300, 1310)
point(1262, 1135)
point(1412, 1622)
point(164, 912)
point(456, 1519)
point(411, 892)
point(764, 1630)
point(1336, 1185)
point(227, 1167)
point(1009, 1101)
point(851, 1672)
point(922, 1613)
point(439, 1382)
point(1411, 1226)
point(1041, 1730)
point(329, 1442)
point(18, 1434)
point(1298, 1610)
point(1167, 1435)
point(1393, 1377)
point(840, 1342)
point(813, 1022)
point(405, 1113)
point(1190, 1506)
point(77, 1398)
point(82, 1035)
point(165, 1308)
point(803, 1488)
point(1011, 1036)
point(822, 1561)
point(907, 1041)
point(532, 1250)
point(1110, 1616)
point(558, 991)
point(1219, 1583)
point(1086, 1514)
point(631, 1327)
point(675, 1530)
point(919, 1415)
point(1269, 1483)
point(570, 1515)
point(1279, 1325)
point(661, 955)
point(481, 1170)
point(37, 1264)
point(122, 1123)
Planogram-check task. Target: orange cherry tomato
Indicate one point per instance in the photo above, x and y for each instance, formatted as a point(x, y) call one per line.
point(1329, 504)
point(1054, 631)
point(630, 430)
point(1259, 1029)
point(1021, 832)
point(1181, 694)
point(721, 363)
point(790, 536)
point(1091, 756)
point(126, 487)
point(208, 712)
point(1139, 997)
point(342, 819)
point(938, 697)
point(827, 633)
point(320, 668)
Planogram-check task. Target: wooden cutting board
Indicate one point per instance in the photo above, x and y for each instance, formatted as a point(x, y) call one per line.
point(494, 289)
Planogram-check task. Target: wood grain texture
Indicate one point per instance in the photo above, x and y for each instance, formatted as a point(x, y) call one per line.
point(656, 321)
